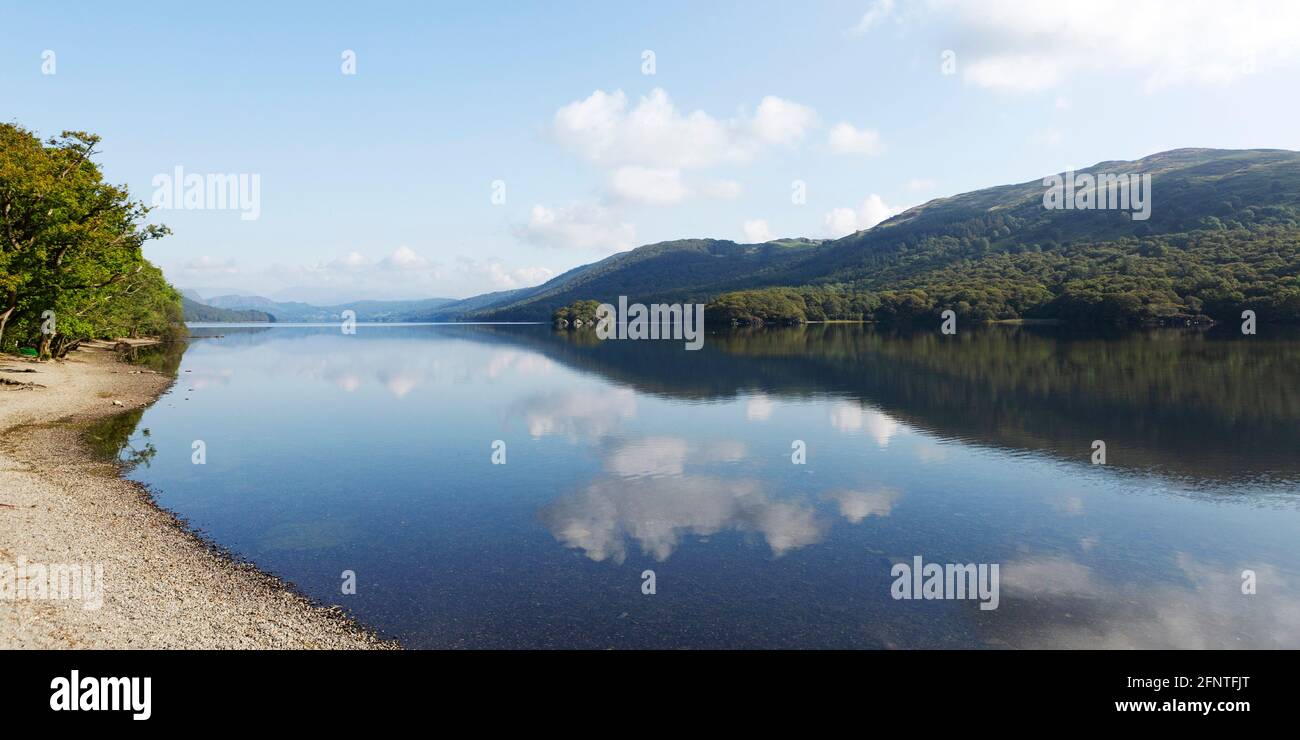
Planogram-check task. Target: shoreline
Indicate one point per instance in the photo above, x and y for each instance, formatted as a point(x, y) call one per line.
point(162, 584)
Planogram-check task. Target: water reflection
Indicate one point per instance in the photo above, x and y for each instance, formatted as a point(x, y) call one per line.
point(575, 414)
point(655, 456)
point(851, 418)
point(379, 356)
point(759, 408)
point(858, 505)
point(1056, 602)
point(657, 513)
point(372, 453)
point(1202, 406)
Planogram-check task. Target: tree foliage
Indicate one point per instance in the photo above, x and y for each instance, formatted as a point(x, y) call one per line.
point(1195, 277)
point(577, 314)
point(70, 244)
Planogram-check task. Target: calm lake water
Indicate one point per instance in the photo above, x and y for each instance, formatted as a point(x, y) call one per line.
point(372, 453)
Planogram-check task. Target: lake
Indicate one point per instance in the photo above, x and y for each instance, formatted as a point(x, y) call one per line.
point(772, 482)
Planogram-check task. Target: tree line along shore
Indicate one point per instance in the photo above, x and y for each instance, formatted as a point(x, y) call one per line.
point(71, 261)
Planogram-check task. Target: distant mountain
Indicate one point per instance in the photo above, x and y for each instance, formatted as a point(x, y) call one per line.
point(304, 312)
point(685, 269)
point(461, 309)
point(195, 311)
point(1223, 236)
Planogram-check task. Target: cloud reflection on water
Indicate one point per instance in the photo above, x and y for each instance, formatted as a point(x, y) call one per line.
point(576, 414)
point(1056, 602)
point(851, 418)
point(647, 496)
point(855, 506)
point(658, 512)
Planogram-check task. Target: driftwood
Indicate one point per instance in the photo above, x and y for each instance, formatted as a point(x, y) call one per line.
point(19, 384)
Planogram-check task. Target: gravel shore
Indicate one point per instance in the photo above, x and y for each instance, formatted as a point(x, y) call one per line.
point(163, 587)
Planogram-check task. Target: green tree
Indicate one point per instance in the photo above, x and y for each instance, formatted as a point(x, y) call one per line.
point(71, 243)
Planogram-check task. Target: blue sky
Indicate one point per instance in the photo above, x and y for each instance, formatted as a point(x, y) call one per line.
point(380, 184)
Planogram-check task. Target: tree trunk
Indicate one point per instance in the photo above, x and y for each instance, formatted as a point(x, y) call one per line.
point(11, 304)
point(65, 346)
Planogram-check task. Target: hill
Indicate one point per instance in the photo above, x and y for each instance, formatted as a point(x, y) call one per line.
point(296, 312)
point(681, 270)
point(1222, 235)
point(196, 311)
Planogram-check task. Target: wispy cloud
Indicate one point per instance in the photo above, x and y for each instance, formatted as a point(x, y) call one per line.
point(1029, 45)
point(846, 139)
point(587, 226)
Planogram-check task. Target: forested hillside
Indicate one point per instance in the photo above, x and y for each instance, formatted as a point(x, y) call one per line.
point(686, 269)
point(1223, 236)
point(196, 311)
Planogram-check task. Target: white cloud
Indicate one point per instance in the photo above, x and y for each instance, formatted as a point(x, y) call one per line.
point(841, 222)
point(206, 266)
point(1018, 73)
point(879, 11)
point(1029, 45)
point(532, 275)
point(496, 274)
point(844, 221)
point(401, 273)
point(756, 231)
point(655, 134)
point(584, 226)
point(404, 258)
point(664, 186)
point(648, 185)
point(723, 189)
point(404, 273)
point(780, 121)
point(845, 139)
point(351, 261)
point(650, 146)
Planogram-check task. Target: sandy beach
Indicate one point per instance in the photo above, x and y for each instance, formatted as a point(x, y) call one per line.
point(162, 586)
